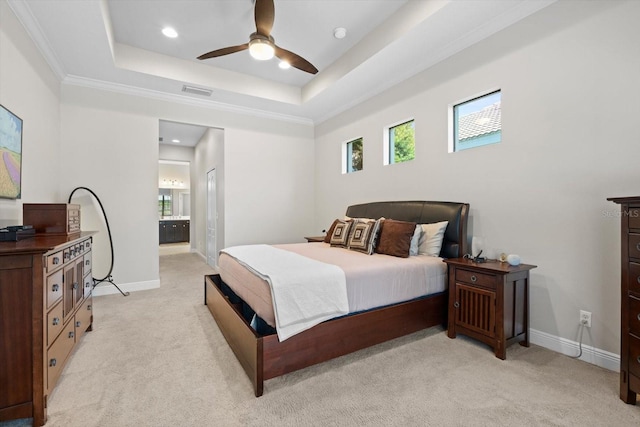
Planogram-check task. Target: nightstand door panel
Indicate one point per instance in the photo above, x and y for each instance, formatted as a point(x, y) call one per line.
point(476, 309)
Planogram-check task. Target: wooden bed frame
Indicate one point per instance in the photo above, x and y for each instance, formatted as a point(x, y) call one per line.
point(264, 357)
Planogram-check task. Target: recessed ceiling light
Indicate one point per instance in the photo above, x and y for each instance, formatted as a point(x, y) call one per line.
point(177, 141)
point(339, 33)
point(170, 32)
point(284, 65)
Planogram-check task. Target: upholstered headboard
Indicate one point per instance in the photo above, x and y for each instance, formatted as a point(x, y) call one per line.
point(422, 212)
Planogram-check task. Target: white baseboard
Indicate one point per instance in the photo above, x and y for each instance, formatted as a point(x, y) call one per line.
point(567, 347)
point(106, 288)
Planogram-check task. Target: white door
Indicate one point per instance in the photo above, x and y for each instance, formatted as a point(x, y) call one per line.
point(212, 216)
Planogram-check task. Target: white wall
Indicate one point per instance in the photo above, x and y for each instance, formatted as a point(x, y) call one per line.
point(570, 103)
point(115, 154)
point(29, 88)
point(276, 171)
point(114, 138)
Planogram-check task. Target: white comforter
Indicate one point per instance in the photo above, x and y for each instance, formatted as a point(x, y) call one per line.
point(305, 292)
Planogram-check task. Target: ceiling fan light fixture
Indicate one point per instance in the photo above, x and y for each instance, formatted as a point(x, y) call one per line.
point(284, 65)
point(262, 50)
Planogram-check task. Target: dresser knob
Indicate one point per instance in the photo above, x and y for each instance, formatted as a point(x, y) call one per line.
point(456, 304)
point(74, 286)
point(52, 362)
point(89, 307)
point(87, 262)
point(473, 278)
point(71, 334)
point(56, 321)
point(78, 324)
point(55, 288)
point(56, 260)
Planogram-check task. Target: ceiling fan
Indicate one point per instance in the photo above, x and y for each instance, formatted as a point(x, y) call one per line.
point(261, 45)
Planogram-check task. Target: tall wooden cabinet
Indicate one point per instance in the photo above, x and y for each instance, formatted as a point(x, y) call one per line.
point(630, 298)
point(45, 308)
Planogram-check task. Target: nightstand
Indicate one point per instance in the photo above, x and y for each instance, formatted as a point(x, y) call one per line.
point(315, 239)
point(489, 302)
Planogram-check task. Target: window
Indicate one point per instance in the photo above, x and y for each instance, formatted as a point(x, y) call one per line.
point(352, 156)
point(164, 203)
point(399, 143)
point(477, 122)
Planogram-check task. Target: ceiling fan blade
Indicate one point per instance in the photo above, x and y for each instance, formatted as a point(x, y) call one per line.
point(295, 60)
point(264, 15)
point(224, 51)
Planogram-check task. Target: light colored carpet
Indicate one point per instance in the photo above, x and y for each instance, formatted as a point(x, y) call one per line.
point(156, 358)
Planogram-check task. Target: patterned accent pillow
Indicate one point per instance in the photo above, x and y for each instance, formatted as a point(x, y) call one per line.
point(395, 238)
point(327, 237)
point(363, 234)
point(340, 234)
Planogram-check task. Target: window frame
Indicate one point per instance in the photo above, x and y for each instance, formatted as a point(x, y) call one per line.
point(347, 155)
point(453, 143)
point(388, 153)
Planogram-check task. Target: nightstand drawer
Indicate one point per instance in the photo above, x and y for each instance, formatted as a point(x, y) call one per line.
point(634, 355)
point(475, 278)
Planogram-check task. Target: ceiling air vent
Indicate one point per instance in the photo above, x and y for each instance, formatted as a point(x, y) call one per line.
point(196, 90)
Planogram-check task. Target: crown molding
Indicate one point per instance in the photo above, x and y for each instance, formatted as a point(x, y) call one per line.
point(25, 16)
point(72, 80)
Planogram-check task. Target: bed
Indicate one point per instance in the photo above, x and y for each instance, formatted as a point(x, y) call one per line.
point(263, 356)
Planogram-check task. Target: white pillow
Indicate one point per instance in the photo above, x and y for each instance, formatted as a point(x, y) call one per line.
point(415, 240)
point(432, 237)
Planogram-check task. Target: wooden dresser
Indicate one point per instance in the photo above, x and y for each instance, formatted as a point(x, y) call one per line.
point(45, 308)
point(630, 299)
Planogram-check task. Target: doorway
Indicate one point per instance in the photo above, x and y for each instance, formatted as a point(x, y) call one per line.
point(174, 207)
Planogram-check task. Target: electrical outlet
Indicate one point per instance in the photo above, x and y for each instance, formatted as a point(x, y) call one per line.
point(585, 318)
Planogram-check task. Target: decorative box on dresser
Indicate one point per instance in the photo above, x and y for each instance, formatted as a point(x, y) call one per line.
point(489, 301)
point(45, 308)
point(630, 298)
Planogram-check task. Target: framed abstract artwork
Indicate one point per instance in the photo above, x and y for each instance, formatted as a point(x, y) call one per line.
point(10, 154)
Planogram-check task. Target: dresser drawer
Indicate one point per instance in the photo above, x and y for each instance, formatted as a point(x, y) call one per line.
point(83, 318)
point(87, 285)
point(634, 315)
point(54, 288)
point(54, 324)
point(634, 277)
point(634, 246)
point(58, 353)
point(634, 217)
point(475, 278)
point(87, 262)
point(54, 261)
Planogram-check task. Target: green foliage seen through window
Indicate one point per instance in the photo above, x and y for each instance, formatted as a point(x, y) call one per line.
point(402, 144)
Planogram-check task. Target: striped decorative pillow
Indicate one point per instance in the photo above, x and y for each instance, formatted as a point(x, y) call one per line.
point(363, 235)
point(340, 234)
